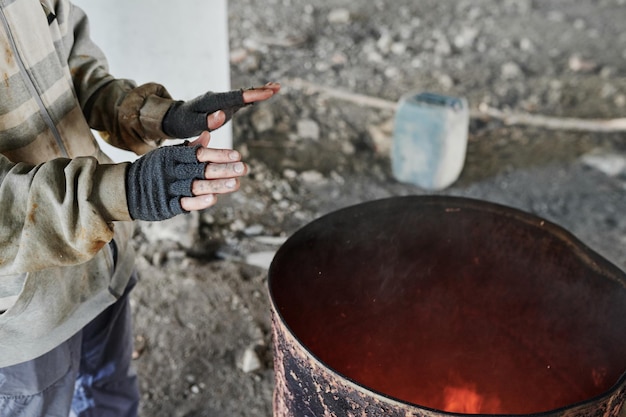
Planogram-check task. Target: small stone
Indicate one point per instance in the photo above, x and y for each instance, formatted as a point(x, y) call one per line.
point(442, 46)
point(607, 72)
point(577, 64)
point(322, 66)
point(253, 230)
point(262, 119)
point(384, 43)
point(250, 361)
point(339, 16)
point(237, 56)
point(251, 63)
point(308, 129)
point(398, 48)
point(277, 196)
point(158, 258)
point(176, 255)
point(253, 44)
point(526, 45)
point(445, 81)
point(465, 38)
point(375, 57)
point(339, 58)
point(207, 218)
point(417, 63)
point(260, 259)
point(337, 178)
point(312, 177)
point(610, 164)
point(244, 151)
point(391, 72)
point(348, 148)
point(290, 174)
point(381, 136)
point(237, 225)
point(510, 70)
point(271, 240)
point(580, 24)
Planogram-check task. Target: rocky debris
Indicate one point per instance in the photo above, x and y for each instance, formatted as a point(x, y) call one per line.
point(180, 230)
point(610, 163)
point(250, 360)
point(202, 308)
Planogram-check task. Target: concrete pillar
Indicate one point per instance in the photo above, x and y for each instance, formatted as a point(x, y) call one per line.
point(182, 45)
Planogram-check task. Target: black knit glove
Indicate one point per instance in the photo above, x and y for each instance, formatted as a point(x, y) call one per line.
point(157, 181)
point(185, 119)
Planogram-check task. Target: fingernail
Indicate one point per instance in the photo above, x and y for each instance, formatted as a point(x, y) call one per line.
point(238, 168)
point(230, 183)
point(234, 156)
point(209, 198)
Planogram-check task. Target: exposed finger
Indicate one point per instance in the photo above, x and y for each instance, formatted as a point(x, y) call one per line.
point(216, 120)
point(218, 155)
point(221, 186)
point(228, 170)
point(253, 96)
point(198, 203)
point(260, 93)
point(275, 87)
point(202, 140)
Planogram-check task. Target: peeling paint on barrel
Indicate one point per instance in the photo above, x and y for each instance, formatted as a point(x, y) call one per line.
point(305, 387)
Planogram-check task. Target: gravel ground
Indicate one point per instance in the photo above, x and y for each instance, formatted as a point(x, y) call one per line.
point(202, 310)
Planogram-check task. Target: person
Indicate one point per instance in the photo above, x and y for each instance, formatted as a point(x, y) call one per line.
point(66, 260)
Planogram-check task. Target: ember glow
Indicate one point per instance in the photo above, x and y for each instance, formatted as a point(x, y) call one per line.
point(466, 400)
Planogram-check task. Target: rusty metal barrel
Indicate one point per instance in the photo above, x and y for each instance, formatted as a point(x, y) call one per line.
point(435, 305)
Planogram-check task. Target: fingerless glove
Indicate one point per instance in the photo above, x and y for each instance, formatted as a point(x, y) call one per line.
point(185, 119)
point(157, 181)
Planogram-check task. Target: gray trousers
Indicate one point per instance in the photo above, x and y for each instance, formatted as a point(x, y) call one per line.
point(89, 375)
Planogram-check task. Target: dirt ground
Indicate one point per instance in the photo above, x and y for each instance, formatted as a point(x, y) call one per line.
point(203, 336)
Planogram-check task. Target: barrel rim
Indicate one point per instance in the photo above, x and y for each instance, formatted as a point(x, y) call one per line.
point(590, 257)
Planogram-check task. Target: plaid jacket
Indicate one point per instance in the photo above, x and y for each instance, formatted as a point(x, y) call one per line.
point(61, 199)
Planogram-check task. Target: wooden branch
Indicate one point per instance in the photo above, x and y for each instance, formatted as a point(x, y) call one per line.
point(552, 123)
point(483, 112)
point(358, 99)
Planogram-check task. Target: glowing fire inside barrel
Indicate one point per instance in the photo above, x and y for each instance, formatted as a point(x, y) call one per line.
point(416, 306)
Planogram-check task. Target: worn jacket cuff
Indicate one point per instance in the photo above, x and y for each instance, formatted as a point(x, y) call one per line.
point(109, 192)
point(152, 113)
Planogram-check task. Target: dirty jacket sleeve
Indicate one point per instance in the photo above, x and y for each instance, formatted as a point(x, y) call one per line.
point(59, 206)
point(61, 199)
point(127, 116)
point(58, 213)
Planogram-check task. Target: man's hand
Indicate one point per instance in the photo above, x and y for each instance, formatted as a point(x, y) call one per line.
point(174, 179)
point(211, 110)
point(221, 175)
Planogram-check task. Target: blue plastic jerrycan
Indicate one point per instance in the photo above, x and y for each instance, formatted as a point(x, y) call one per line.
point(429, 139)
